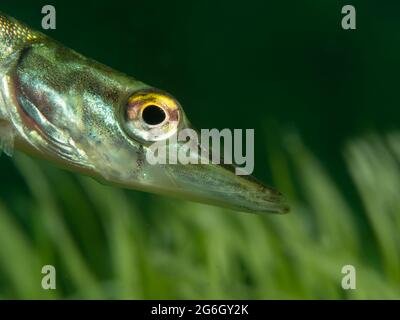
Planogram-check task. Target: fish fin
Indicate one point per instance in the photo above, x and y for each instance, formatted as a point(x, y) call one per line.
point(7, 132)
point(20, 108)
point(7, 135)
point(57, 141)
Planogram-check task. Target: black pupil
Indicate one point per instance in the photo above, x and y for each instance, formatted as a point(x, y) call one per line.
point(153, 115)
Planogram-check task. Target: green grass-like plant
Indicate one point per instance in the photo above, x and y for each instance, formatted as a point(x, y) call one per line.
point(105, 243)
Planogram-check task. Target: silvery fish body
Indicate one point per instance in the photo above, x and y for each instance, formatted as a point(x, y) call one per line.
point(88, 118)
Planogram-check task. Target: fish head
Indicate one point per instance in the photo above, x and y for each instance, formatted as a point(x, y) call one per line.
point(91, 119)
point(170, 158)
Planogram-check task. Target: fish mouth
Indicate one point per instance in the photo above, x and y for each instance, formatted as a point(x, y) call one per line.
point(215, 184)
point(202, 175)
point(219, 185)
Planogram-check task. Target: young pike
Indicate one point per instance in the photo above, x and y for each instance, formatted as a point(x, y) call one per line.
point(88, 118)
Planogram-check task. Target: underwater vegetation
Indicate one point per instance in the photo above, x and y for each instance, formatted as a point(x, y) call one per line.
point(105, 243)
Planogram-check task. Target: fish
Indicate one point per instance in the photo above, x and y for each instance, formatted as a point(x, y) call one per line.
point(85, 117)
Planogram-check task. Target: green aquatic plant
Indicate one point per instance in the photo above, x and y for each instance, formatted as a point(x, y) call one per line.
point(106, 243)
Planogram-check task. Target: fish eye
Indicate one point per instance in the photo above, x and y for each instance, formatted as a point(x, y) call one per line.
point(151, 115)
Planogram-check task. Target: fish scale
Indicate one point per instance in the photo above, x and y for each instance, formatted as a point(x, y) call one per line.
point(14, 35)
